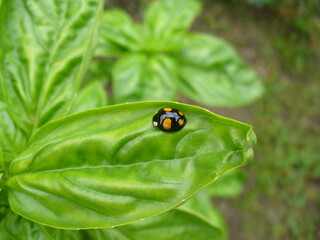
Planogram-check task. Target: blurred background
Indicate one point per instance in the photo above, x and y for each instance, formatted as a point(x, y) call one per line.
point(280, 40)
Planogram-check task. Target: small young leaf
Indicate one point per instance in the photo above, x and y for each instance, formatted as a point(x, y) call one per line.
point(228, 185)
point(118, 33)
point(93, 95)
point(212, 73)
point(166, 17)
point(20, 228)
point(138, 77)
point(110, 166)
point(45, 48)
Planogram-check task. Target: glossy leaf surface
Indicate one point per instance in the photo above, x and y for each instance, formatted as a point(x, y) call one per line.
point(212, 73)
point(110, 166)
point(196, 219)
point(138, 77)
point(45, 47)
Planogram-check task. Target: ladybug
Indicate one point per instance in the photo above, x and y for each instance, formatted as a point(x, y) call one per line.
point(169, 119)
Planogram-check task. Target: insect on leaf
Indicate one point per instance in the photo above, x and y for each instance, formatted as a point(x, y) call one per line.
point(110, 166)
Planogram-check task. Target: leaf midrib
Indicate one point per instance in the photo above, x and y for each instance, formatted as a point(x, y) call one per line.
point(122, 165)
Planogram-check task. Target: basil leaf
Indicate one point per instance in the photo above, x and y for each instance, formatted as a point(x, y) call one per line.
point(110, 166)
point(45, 48)
point(202, 206)
point(138, 77)
point(107, 234)
point(118, 33)
point(12, 139)
point(228, 185)
point(212, 73)
point(1, 160)
point(98, 71)
point(1, 155)
point(196, 219)
point(20, 228)
point(91, 96)
point(3, 234)
point(176, 224)
point(166, 17)
point(3, 201)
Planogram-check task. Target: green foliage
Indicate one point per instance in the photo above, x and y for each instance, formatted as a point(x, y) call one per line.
point(19, 228)
point(62, 169)
point(159, 58)
point(121, 141)
point(92, 95)
point(228, 185)
point(137, 76)
point(43, 58)
point(183, 223)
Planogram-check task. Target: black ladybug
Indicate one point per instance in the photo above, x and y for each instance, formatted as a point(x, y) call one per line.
point(169, 119)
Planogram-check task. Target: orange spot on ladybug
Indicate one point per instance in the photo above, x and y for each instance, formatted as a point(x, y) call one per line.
point(180, 113)
point(167, 109)
point(180, 122)
point(166, 123)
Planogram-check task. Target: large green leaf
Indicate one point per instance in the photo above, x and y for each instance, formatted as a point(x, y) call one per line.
point(118, 34)
point(110, 166)
point(45, 47)
point(93, 95)
point(212, 73)
point(139, 77)
point(20, 228)
point(166, 17)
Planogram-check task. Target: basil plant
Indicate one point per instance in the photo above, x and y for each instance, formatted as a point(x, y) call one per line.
point(73, 168)
point(159, 59)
